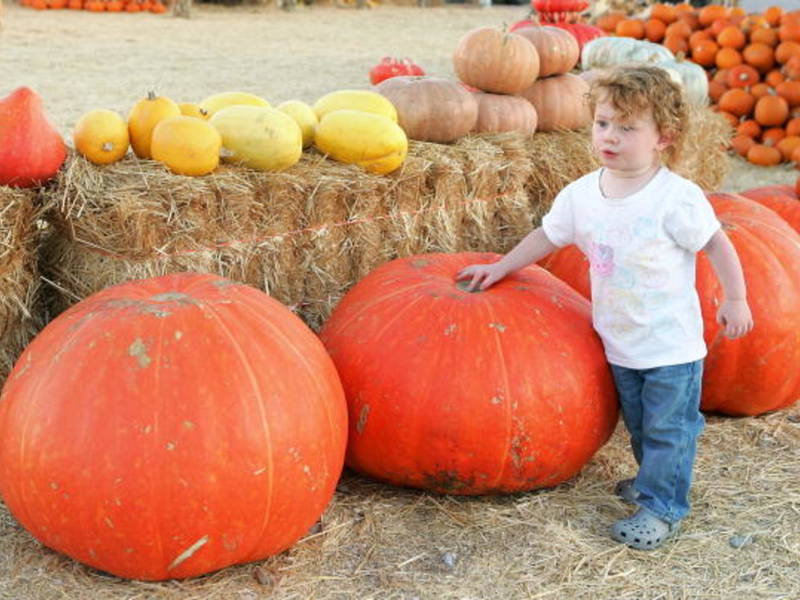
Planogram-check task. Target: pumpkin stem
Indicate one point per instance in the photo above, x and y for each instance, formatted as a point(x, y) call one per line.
point(107, 147)
point(151, 95)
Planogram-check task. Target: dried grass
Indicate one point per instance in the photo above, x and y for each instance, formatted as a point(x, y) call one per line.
point(382, 542)
point(307, 234)
point(20, 314)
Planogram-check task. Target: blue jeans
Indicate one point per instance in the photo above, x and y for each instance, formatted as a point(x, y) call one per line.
point(661, 409)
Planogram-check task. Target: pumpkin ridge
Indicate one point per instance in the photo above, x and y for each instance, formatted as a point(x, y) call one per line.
point(270, 460)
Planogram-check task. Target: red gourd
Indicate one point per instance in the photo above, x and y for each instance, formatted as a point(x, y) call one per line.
point(757, 373)
point(390, 67)
point(169, 427)
point(31, 150)
point(469, 393)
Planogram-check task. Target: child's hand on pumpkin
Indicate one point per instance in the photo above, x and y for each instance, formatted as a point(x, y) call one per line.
point(482, 276)
point(735, 317)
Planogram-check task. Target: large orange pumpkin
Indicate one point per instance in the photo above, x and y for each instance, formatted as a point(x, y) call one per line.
point(169, 427)
point(757, 373)
point(31, 150)
point(458, 392)
point(780, 198)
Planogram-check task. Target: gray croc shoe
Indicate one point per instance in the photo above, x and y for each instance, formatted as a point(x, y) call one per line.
point(626, 491)
point(643, 531)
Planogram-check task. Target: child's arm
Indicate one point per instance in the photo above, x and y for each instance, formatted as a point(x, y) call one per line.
point(531, 248)
point(734, 314)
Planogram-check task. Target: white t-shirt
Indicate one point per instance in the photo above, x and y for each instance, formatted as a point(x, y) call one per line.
point(641, 250)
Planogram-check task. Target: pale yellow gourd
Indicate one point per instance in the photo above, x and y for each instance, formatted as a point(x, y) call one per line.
point(101, 136)
point(305, 117)
point(374, 142)
point(187, 145)
point(143, 118)
point(217, 102)
point(258, 137)
point(362, 100)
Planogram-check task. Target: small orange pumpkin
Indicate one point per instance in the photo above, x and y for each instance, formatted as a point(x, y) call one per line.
point(771, 110)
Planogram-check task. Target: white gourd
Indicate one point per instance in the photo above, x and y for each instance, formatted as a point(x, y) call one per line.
point(692, 77)
point(610, 51)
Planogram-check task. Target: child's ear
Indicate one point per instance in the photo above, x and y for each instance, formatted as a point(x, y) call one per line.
point(664, 141)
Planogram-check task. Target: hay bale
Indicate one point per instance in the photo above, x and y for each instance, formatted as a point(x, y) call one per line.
point(307, 234)
point(20, 313)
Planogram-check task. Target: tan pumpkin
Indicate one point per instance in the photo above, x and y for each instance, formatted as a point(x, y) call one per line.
point(558, 49)
point(499, 113)
point(431, 109)
point(187, 145)
point(494, 61)
point(560, 102)
point(143, 118)
point(101, 136)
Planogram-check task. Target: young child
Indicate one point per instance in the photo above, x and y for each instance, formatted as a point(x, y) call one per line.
point(641, 225)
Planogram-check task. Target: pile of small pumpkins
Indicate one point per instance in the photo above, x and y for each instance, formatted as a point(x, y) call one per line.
point(130, 6)
point(752, 62)
point(507, 81)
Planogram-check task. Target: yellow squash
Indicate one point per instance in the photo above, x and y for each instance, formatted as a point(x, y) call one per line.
point(190, 109)
point(258, 137)
point(144, 116)
point(304, 115)
point(101, 136)
point(363, 100)
point(187, 145)
point(217, 102)
point(371, 141)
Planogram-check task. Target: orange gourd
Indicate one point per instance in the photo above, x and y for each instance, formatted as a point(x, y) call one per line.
point(480, 404)
point(741, 144)
point(169, 427)
point(737, 102)
point(764, 156)
point(742, 76)
point(789, 91)
point(632, 28)
point(731, 37)
point(759, 56)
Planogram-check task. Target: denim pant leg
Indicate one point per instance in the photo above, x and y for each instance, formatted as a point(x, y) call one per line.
point(671, 421)
point(629, 384)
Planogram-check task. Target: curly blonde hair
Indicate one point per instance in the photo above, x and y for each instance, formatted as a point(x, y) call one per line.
point(639, 89)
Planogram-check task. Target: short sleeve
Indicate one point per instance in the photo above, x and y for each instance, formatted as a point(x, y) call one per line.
point(559, 222)
point(691, 221)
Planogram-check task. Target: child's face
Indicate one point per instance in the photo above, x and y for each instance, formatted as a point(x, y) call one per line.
point(628, 147)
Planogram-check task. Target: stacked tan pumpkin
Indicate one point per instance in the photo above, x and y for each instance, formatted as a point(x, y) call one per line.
point(508, 82)
point(352, 126)
point(752, 62)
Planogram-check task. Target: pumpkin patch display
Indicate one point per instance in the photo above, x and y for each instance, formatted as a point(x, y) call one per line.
point(170, 427)
point(496, 61)
point(371, 141)
point(101, 136)
point(143, 118)
point(31, 150)
point(431, 109)
point(453, 392)
point(754, 374)
point(258, 137)
point(187, 145)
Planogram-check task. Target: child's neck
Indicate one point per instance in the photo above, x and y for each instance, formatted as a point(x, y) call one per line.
point(619, 184)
